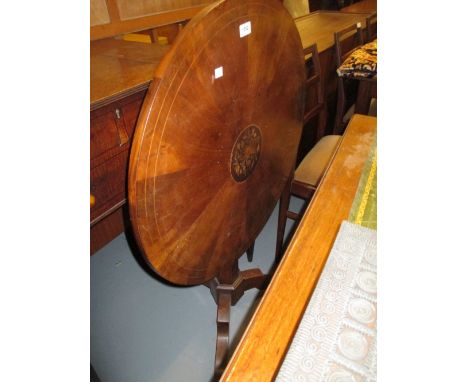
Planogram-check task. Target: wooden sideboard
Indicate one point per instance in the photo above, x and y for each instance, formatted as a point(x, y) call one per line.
point(121, 72)
point(265, 342)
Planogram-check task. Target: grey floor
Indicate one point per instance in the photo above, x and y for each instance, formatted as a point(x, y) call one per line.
point(143, 329)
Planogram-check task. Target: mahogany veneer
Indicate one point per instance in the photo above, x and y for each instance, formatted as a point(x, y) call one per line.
point(211, 155)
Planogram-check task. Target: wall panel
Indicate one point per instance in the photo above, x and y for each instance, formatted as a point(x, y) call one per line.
point(98, 12)
point(115, 17)
point(134, 9)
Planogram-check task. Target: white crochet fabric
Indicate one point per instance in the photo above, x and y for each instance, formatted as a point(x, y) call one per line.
point(336, 339)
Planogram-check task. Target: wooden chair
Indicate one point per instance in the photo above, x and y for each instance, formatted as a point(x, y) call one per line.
point(305, 179)
point(371, 33)
point(346, 41)
point(371, 27)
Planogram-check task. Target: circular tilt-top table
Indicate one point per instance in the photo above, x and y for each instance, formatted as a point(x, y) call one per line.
point(214, 146)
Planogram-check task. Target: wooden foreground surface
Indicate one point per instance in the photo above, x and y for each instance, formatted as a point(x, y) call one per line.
point(267, 337)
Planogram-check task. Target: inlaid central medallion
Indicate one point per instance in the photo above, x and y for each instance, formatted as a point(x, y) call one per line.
point(245, 153)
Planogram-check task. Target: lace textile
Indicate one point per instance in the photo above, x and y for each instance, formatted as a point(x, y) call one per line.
point(336, 339)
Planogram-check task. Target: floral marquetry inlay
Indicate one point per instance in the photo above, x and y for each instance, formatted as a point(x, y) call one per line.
point(245, 153)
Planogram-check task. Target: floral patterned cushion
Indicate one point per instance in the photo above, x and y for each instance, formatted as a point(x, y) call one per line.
point(362, 63)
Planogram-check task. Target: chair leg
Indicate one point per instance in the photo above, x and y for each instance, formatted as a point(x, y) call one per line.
point(322, 122)
point(340, 104)
point(363, 97)
point(282, 217)
point(250, 252)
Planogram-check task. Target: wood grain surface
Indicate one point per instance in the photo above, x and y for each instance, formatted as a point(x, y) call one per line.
point(212, 152)
point(268, 335)
point(120, 68)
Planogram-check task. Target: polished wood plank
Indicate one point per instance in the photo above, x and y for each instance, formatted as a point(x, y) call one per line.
point(121, 68)
point(265, 342)
point(364, 6)
point(319, 27)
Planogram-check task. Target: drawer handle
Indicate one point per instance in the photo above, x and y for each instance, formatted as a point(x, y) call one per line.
point(92, 200)
point(123, 136)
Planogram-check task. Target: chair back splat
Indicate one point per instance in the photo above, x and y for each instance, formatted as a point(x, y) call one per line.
point(371, 27)
point(346, 42)
point(315, 92)
point(318, 157)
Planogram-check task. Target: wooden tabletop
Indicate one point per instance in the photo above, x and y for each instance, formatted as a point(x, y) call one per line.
point(320, 27)
point(364, 6)
point(267, 337)
point(119, 68)
point(219, 146)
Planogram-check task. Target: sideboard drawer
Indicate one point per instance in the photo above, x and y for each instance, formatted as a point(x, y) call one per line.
point(112, 128)
point(107, 130)
point(108, 184)
point(131, 110)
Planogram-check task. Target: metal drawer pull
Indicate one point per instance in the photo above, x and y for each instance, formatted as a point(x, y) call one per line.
point(123, 136)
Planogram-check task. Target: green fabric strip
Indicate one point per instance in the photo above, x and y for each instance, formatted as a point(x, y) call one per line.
point(364, 208)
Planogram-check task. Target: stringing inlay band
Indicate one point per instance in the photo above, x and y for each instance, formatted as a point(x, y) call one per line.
point(245, 153)
point(213, 150)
